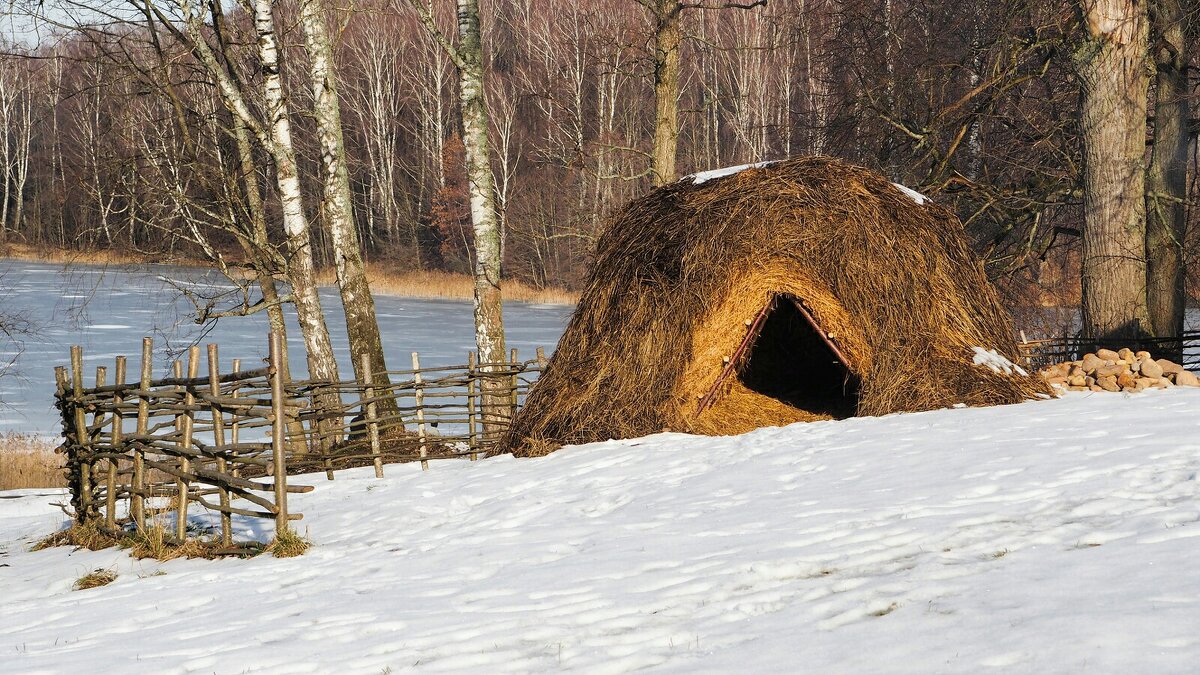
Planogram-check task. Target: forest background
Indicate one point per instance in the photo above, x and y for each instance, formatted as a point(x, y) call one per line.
point(117, 138)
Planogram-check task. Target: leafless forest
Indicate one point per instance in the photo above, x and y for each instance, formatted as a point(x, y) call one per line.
point(118, 136)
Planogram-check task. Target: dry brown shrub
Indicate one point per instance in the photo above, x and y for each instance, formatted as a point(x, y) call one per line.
point(29, 462)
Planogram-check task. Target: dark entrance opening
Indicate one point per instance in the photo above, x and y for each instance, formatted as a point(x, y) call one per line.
point(792, 363)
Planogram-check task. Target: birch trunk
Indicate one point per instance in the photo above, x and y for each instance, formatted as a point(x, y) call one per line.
point(489, 317)
point(1114, 83)
point(301, 273)
point(362, 328)
point(668, 37)
point(1166, 177)
point(259, 242)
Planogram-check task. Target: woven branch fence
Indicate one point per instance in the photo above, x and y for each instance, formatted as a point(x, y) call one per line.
point(1040, 353)
point(227, 442)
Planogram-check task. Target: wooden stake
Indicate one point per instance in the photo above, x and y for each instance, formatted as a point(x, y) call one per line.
point(118, 442)
point(277, 440)
point(472, 437)
point(512, 358)
point(370, 415)
point(101, 380)
point(83, 445)
point(235, 428)
point(138, 501)
point(541, 357)
point(420, 403)
point(182, 486)
point(218, 420)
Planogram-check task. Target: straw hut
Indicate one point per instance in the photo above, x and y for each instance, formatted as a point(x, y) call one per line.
point(802, 290)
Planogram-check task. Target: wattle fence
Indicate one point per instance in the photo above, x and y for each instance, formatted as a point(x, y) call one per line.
point(147, 451)
point(1039, 353)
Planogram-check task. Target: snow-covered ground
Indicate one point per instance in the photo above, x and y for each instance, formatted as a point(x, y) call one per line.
point(1051, 536)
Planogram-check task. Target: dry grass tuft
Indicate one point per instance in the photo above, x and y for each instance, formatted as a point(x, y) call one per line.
point(29, 462)
point(95, 579)
point(154, 542)
point(66, 256)
point(432, 285)
point(443, 285)
point(288, 544)
point(679, 275)
point(87, 535)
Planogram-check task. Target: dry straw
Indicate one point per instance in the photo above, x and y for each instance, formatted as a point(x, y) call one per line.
point(681, 273)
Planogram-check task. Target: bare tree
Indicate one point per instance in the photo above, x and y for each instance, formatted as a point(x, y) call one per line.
point(1166, 176)
point(362, 328)
point(1114, 83)
point(666, 17)
point(469, 59)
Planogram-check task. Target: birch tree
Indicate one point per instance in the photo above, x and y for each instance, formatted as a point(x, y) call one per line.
point(276, 137)
point(362, 328)
point(467, 56)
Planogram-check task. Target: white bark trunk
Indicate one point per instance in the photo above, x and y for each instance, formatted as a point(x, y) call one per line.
point(362, 328)
point(301, 272)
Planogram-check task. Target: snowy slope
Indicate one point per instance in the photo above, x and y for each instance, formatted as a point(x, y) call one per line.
point(1053, 536)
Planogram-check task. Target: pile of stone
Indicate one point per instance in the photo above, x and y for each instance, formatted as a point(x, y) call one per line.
point(1122, 370)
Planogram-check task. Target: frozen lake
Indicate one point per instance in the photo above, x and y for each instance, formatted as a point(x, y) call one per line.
point(108, 310)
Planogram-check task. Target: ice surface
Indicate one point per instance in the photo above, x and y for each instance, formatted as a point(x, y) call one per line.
point(1051, 536)
point(109, 310)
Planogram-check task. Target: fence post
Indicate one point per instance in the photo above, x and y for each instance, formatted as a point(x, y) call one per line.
point(369, 412)
point(236, 427)
point(101, 380)
point(512, 357)
point(277, 440)
point(472, 437)
point(541, 357)
point(83, 445)
point(218, 421)
point(419, 395)
point(118, 442)
point(183, 485)
point(62, 385)
point(138, 491)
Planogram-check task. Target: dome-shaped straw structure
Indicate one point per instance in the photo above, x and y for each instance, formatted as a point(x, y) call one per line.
point(801, 290)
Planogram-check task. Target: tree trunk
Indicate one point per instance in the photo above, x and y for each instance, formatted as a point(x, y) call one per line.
point(1166, 177)
point(362, 328)
point(321, 362)
point(258, 245)
point(489, 316)
point(668, 36)
point(1114, 83)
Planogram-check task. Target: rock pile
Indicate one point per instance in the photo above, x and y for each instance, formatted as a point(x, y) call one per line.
point(1122, 370)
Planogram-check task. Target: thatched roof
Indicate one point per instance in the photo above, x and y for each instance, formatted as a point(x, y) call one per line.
point(682, 275)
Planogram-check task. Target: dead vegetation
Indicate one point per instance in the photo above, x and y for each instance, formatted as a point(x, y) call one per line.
point(708, 304)
point(155, 542)
point(29, 462)
point(287, 544)
point(95, 579)
point(383, 281)
point(444, 285)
